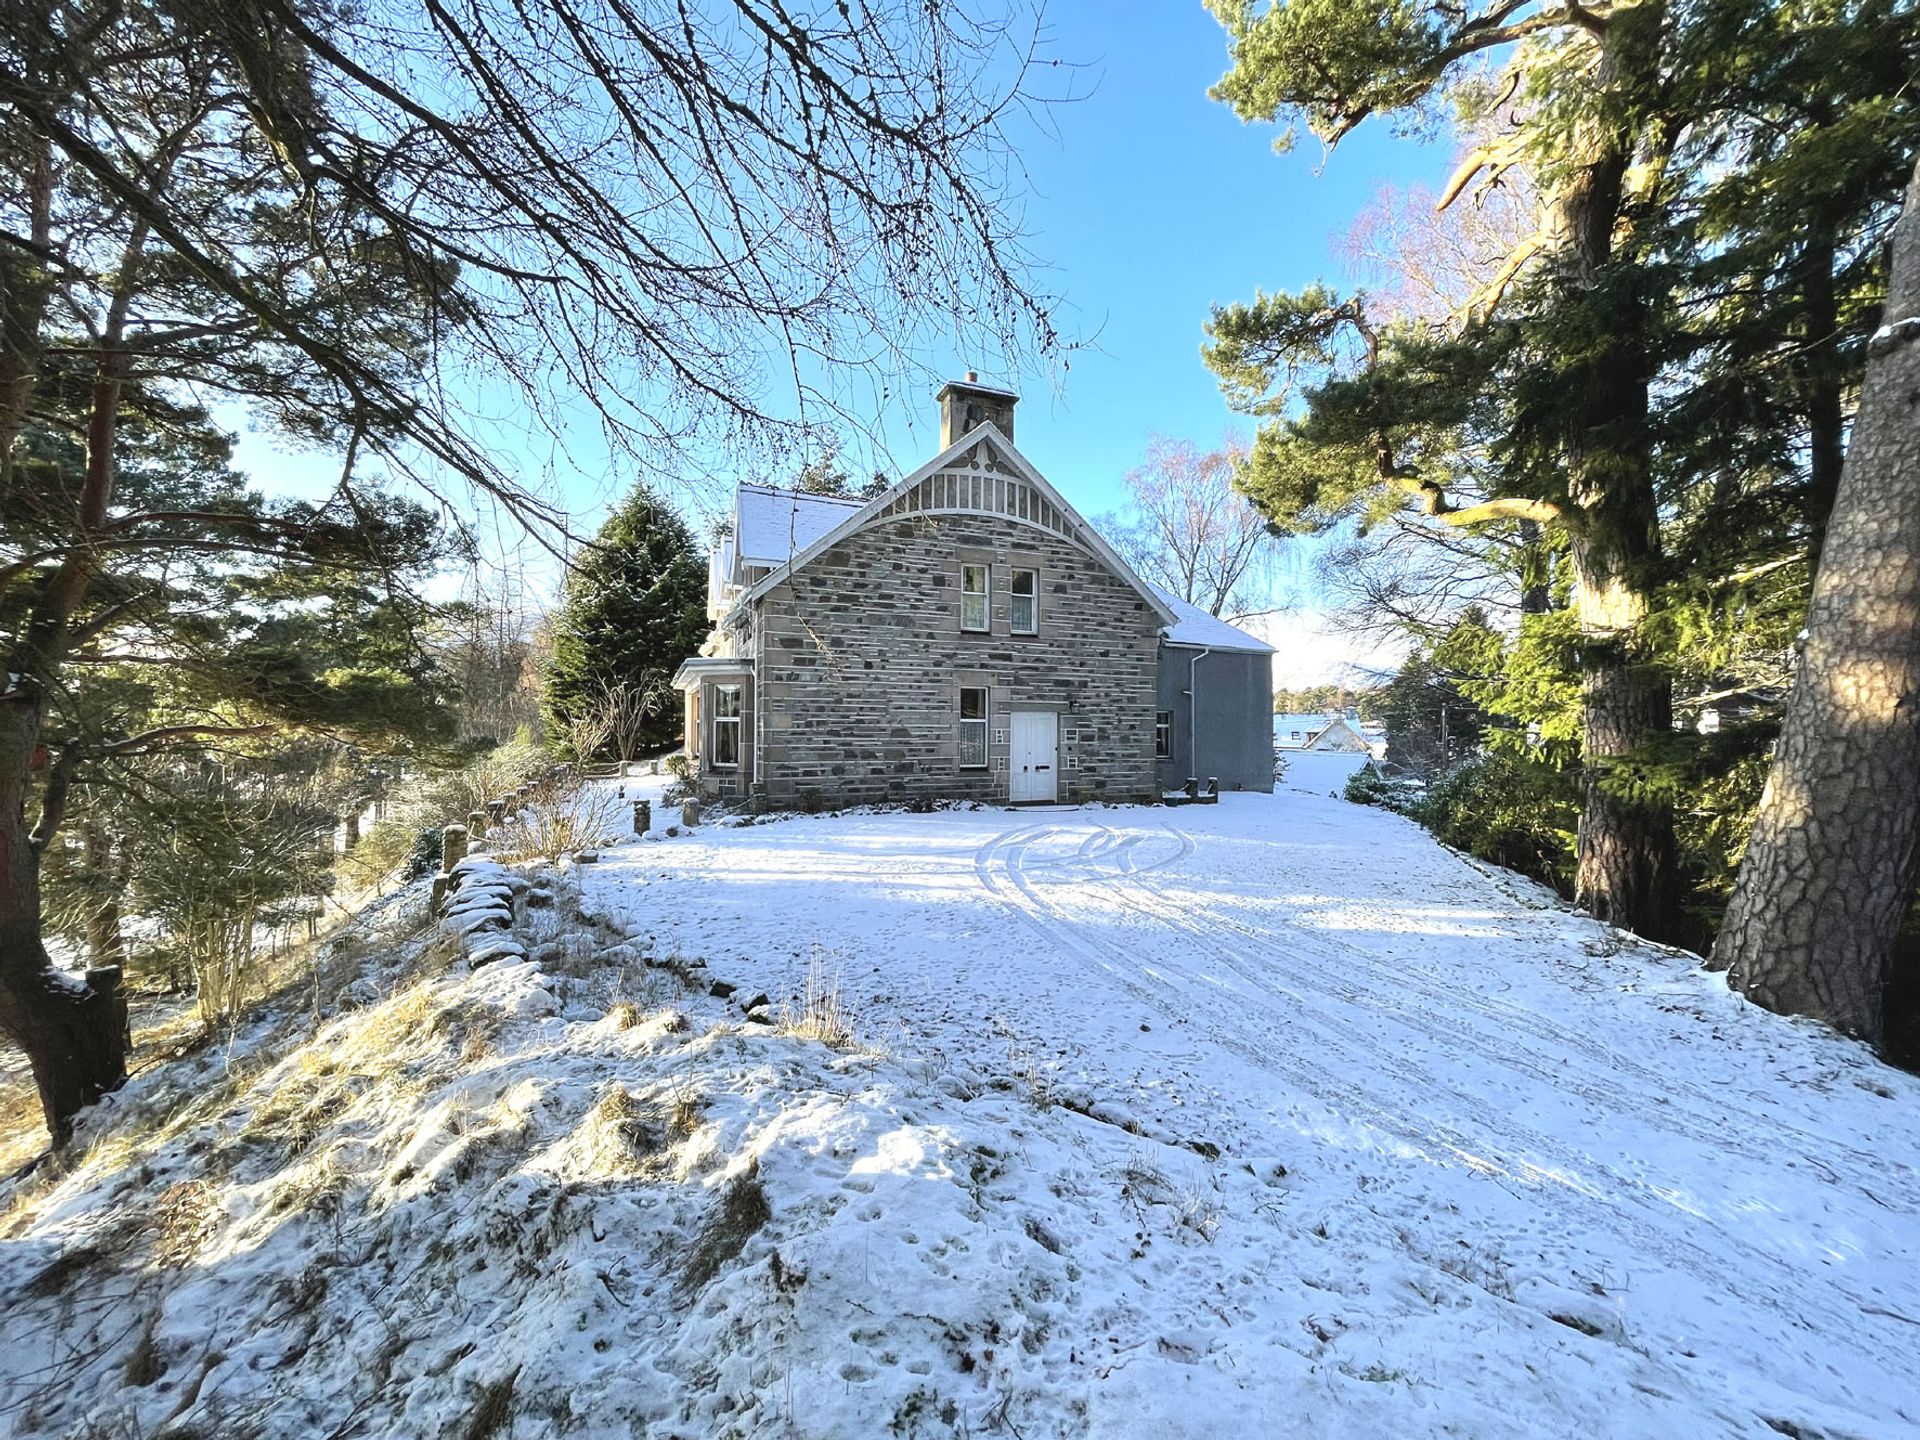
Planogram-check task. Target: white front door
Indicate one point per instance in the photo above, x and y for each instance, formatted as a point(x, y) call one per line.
point(1033, 760)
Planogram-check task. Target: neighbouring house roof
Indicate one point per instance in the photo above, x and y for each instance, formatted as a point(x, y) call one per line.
point(1194, 626)
point(1299, 729)
point(772, 526)
point(853, 514)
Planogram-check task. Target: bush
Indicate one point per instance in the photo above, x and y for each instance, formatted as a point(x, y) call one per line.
point(1368, 786)
point(680, 766)
point(561, 814)
point(1507, 810)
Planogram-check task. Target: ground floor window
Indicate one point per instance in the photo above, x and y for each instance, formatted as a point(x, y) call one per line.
point(973, 728)
point(1162, 734)
point(726, 727)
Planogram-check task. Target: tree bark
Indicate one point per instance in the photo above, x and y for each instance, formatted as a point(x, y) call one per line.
point(73, 1036)
point(1829, 872)
point(1625, 865)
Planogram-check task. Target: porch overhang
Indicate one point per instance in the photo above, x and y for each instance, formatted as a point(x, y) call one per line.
point(697, 668)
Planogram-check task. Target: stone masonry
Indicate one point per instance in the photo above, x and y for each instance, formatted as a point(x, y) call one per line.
point(861, 659)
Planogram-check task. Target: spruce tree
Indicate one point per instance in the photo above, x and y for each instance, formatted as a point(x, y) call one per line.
point(634, 607)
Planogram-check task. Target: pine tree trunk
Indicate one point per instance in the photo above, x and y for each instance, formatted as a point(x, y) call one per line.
point(73, 1036)
point(105, 945)
point(1625, 861)
point(75, 1039)
point(1829, 872)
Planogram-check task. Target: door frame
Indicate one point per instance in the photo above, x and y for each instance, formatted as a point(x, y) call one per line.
point(1052, 767)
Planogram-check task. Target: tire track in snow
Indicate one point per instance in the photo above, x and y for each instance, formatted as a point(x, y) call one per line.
point(1705, 1123)
point(1642, 1225)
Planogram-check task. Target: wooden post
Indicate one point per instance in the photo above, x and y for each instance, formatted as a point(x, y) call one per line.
point(476, 824)
point(642, 816)
point(690, 813)
point(453, 847)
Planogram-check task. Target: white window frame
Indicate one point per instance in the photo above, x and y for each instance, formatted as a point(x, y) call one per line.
point(1014, 597)
point(985, 595)
point(965, 720)
point(1163, 734)
point(722, 718)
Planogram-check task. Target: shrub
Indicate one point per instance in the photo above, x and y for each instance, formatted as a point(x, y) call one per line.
point(679, 765)
point(1507, 810)
point(561, 814)
point(1368, 786)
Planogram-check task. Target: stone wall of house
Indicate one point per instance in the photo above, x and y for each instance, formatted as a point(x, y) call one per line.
point(861, 660)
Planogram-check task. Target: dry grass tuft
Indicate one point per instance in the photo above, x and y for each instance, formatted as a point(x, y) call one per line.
point(144, 1365)
point(494, 1413)
point(683, 1111)
point(742, 1211)
point(624, 1128)
point(184, 1218)
point(624, 1015)
point(823, 1013)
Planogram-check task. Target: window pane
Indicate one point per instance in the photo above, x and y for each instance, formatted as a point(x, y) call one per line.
point(726, 700)
point(1023, 582)
point(1024, 620)
point(973, 726)
point(973, 597)
point(726, 742)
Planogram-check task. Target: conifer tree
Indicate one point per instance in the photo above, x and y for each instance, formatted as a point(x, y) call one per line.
point(1614, 382)
point(635, 606)
point(1828, 878)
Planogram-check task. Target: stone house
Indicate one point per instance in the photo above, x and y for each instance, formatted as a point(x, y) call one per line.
point(964, 634)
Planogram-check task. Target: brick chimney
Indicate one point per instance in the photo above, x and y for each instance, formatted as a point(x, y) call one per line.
point(967, 403)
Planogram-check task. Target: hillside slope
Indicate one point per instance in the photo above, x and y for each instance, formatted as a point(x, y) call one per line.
point(1271, 1117)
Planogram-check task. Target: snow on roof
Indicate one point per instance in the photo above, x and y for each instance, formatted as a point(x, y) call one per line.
point(772, 526)
point(1196, 627)
point(1303, 722)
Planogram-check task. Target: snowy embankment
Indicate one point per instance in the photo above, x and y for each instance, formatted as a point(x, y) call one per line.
point(1264, 1117)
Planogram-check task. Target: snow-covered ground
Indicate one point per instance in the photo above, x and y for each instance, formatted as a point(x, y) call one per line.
point(1269, 1117)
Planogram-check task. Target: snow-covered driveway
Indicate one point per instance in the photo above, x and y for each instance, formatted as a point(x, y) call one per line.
point(1462, 1162)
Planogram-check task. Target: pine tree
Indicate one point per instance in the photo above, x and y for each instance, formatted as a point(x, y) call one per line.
point(1640, 379)
point(1828, 878)
point(634, 607)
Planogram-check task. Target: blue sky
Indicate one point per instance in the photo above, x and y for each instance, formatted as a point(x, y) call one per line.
point(1149, 204)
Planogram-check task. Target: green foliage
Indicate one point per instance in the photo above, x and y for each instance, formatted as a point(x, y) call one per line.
point(406, 841)
point(1330, 61)
point(1670, 390)
point(635, 602)
point(1508, 809)
point(1368, 786)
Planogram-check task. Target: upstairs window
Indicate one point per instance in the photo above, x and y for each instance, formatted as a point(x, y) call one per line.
point(974, 590)
point(1026, 602)
point(973, 728)
point(726, 727)
point(1162, 734)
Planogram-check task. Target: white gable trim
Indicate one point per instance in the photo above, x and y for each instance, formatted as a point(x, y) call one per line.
point(860, 518)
